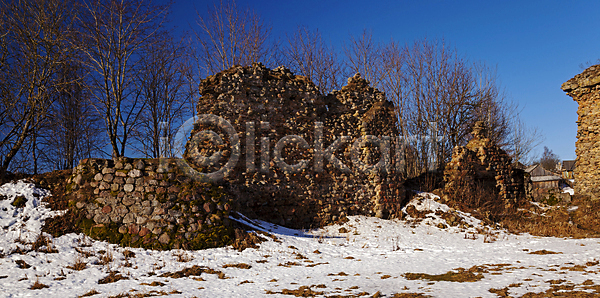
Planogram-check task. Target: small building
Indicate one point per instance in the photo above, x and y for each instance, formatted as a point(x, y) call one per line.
point(567, 169)
point(542, 178)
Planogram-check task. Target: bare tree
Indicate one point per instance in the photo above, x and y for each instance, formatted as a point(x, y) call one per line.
point(73, 130)
point(114, 35)
point(523, 141)
point(439, 95)
point(308, 55)
point(36, 44)
point(366, 56)
point(229, 36)
point(549, 160)
point(162, 82)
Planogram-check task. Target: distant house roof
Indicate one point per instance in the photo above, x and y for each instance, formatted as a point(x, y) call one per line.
point(568, 165)
point(518, 165)
point(545, 178)
point(530, 168)
point(538, 173)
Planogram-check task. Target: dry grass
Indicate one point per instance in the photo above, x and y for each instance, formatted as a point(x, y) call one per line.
point(44, 244)
point(544, 252)
point(193, 271)
point(22, 264)
point(90, 293)
point(303, 291)
point(182, 256)
point(472, 274)
point(37, 285)
point(238, 265)
point(113, 276)
point(78, 265)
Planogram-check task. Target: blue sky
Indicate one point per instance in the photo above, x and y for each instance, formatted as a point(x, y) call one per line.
point(535, 45)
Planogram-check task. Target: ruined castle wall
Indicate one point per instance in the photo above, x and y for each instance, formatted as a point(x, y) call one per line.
point(585, 90)
point(482, 170)
point(137, 202)
point(264, 106)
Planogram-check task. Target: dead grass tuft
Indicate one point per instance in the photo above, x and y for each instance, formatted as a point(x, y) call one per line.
point(238, 265)
point(472, 274)
point(79, 264)
point(193, 271)
point(245, 240)
point(544, 252)
point(37, 285)
point(43, 244)
point(90, 293)
point(303, 291)
point(22, 264)
point(113, 276)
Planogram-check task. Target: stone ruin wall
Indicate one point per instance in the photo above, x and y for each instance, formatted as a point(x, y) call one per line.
point(265, 105)
point(584, 88)
point(481, 167)
point(136, 202)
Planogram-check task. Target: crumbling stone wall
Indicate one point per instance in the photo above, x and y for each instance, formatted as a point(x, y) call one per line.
point(136, 202)
point(264, 106)
point(481, 171)
point(584, 88)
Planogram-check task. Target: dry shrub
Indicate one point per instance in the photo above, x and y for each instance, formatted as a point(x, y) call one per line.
point(558, 221)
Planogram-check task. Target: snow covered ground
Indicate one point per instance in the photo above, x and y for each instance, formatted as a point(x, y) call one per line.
point(362, 257)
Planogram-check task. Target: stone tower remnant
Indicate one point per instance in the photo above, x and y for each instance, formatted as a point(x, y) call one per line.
point(482, 171)
point(584, 88)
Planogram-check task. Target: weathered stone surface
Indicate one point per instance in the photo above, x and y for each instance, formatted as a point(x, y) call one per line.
point(140, 165)
point(106, 209)
point(78, 179)
point(584, 88)
point(121, 210)
point(108, 171)
point(128, 201)
point(128, 187)
point(480, 172)
point(108, 177)
point(135, 173)
point(101, 219)
point(280, 104)
point(164, 238)
point(129, 218)
point(144, 232)
point(98, 177)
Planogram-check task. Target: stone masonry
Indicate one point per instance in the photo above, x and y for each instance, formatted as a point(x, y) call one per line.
point(584, 88)
point(149, 205)
point(481, 171)
point(267, 106)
